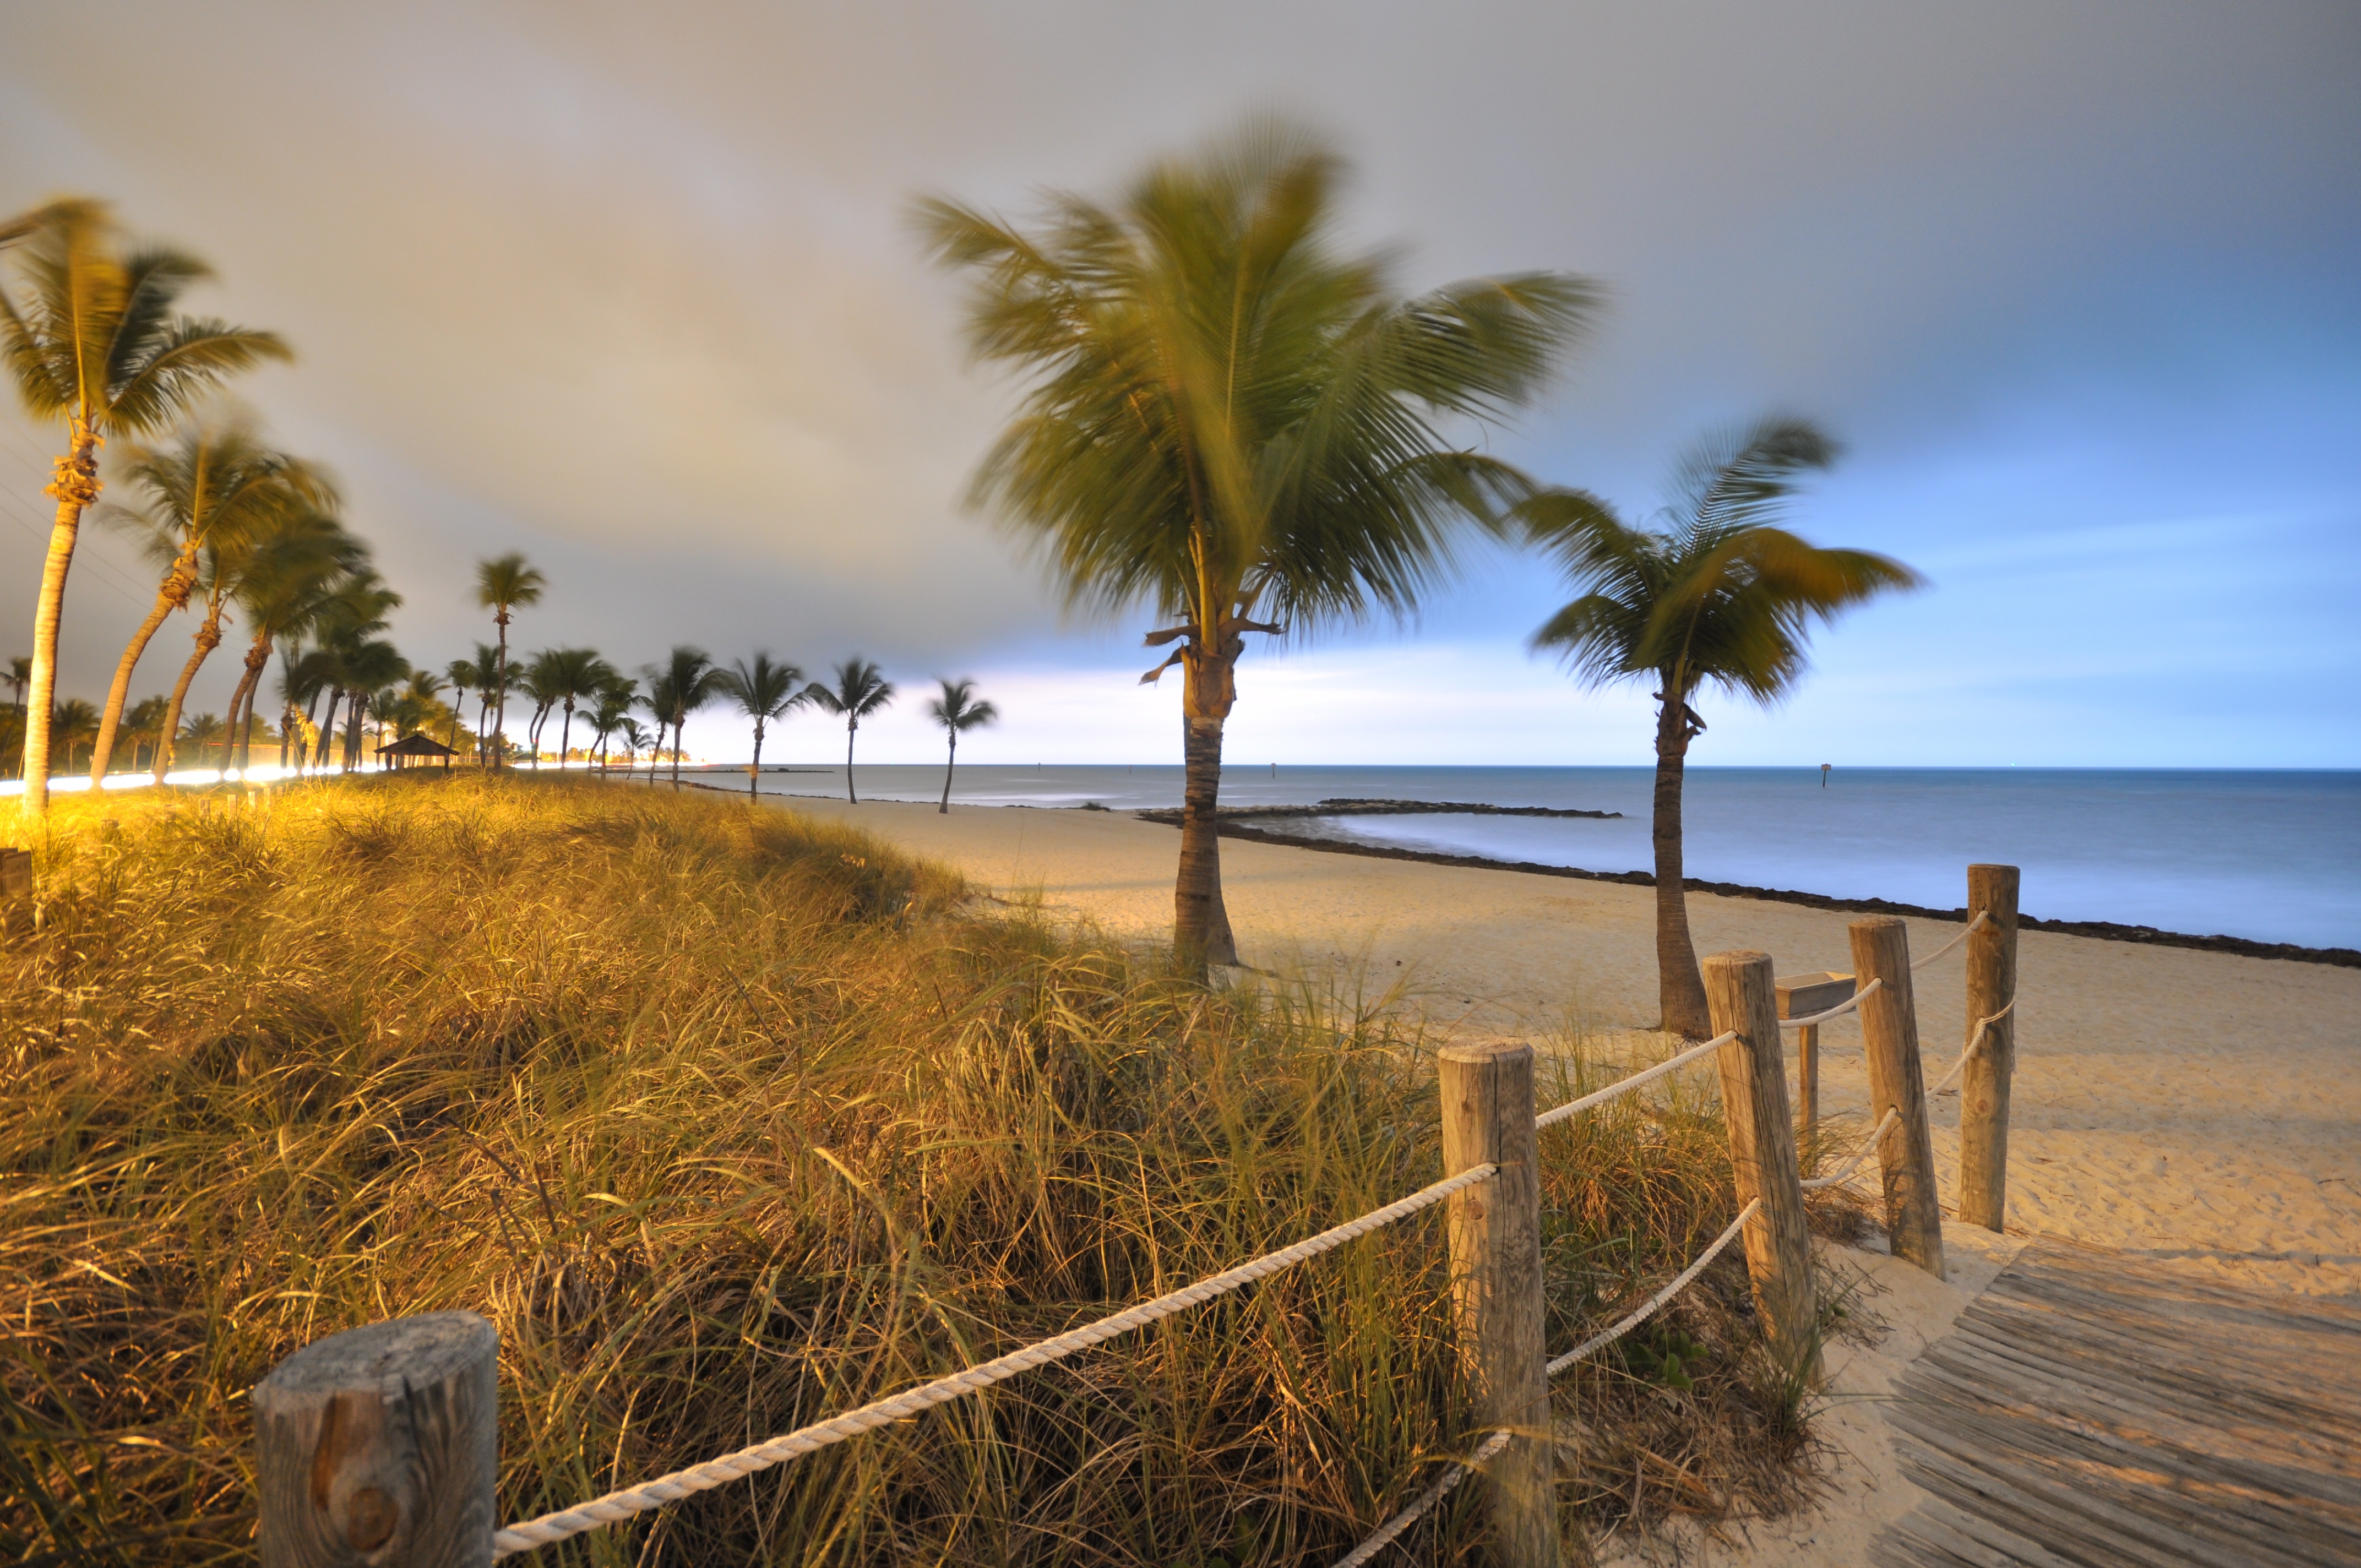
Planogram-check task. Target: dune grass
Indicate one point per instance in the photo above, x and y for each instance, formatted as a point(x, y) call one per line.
point(730, 1120)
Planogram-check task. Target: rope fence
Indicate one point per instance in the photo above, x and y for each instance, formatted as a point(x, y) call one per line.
point(1495, 1255)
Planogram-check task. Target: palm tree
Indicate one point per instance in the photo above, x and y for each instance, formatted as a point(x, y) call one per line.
point(290, 579)
point(501, 585)
point(1722, 596)
point(142, 723)
point(97, 343)
point(464, 675)
point(682, 684)
point(575, 675)
point(634, 739)
point(1233, 424)
point(215, 475)
point(487, 675)
point(860, 691)
point(764, 690)
point(371, 670)
point(957, 710)
point(201, 732)
point(612, 711)
point(19, 677)
point(75, 725)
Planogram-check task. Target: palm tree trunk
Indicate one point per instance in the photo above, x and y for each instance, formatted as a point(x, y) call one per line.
point(949, 764)
point(1200, 921)
point(173, 595)
point(75, 487)
point(754, 770)
point(679, 721)
point(851, 728)
point(500, 717)
point(565, 735)
point(241, 739)
point(1680, 984)
point(208, 639)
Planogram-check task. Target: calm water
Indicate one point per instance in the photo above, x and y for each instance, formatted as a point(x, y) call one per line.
point(2273, 856)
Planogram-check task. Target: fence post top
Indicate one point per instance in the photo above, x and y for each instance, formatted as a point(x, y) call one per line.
point(419, 1350)
point(1879, 922)
point(1974, 866)
point(1484, 1051)
point(1738, 957)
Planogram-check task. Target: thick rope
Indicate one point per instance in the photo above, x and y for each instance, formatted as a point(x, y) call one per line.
point(1681, 1282)
point(1847, 1005)
point(1893, 1113)
point(617, 1507)
point(1385, 1533)
point(1983, 919)
point(1637, 1081)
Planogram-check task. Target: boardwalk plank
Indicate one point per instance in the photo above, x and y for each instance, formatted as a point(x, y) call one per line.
point(2099, 1410)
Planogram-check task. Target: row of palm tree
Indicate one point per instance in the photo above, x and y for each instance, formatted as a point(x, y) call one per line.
point(1232, 422)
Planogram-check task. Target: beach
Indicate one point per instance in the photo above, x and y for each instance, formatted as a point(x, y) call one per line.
point(2195, 1107)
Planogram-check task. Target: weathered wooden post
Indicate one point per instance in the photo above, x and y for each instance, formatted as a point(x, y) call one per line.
point(1985, 1085)
point(381, 1445)
point(1801, 996)
point(15, 876)
point(1738, 990)
point(1889, 1033)
point(1495, 1266)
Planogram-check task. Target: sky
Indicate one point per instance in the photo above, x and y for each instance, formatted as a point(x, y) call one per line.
point(634, 290)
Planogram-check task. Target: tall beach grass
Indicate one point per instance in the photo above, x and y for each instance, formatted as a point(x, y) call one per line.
point(730, 1120)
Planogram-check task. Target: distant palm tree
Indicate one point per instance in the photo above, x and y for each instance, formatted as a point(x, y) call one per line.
point(290, 580)
point(217, 476)
point(201, 733)
point(612, 710)
point(1722, 596)
point(860, 691)
point(634, 740)
point(142, 725)
point(464, 675)
point(502, 585)
point(97, 343)
point(1235, 424)
point(957, 710)
point(763, 690)
point(75, 725)
point(488, 676)
point(577, 674)
point(682, 684)
point(19, 675)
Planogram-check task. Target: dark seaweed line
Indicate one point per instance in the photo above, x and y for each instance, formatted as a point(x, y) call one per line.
point(2104, 930)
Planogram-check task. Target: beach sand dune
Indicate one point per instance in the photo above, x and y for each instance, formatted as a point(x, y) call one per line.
point(2202, 1108)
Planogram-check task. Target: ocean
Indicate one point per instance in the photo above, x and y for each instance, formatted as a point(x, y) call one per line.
point(2271, 856)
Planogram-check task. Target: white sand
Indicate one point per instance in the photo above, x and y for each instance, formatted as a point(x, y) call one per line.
point(2199, 1107)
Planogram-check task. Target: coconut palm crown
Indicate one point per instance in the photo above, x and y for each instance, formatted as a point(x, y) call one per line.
point(1233, 424)
point(95, 340)
point(860, 690)
point(1722, 597)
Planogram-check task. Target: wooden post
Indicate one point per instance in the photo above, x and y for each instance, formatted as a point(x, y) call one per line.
point(1496, 1266)
point(381, 1445)
point(1984, 1084)
point(15, 876)
point(1889, 1033)
point(1739, 994)
point(1800, 997)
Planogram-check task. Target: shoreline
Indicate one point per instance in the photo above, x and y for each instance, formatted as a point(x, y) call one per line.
point(2098, 930)
point(2101, 930)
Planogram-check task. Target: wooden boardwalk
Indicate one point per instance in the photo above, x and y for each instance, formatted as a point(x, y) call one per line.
point(2098, 1410)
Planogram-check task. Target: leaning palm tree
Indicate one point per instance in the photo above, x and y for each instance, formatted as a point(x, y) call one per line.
point(686, 681)
point(612, 711)
point(958, 711)
point(633, 737)
point(97, 342)
point(290, 580)
point(501, 585)
point(764, 690)
point(860, 691)
point(1721, 596)
point(464, 675)
point(1235, 425)
point(75, 725)
point(216, 474)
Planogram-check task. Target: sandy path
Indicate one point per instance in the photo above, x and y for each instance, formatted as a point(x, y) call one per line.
point(2201, 1107)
